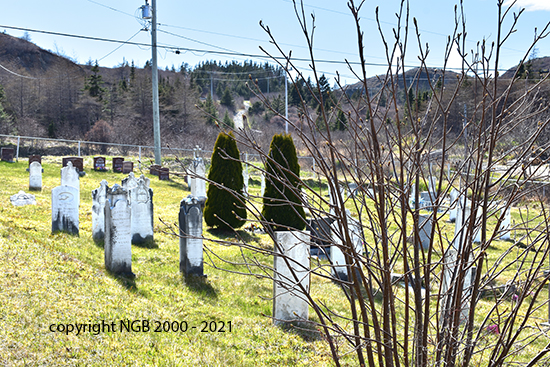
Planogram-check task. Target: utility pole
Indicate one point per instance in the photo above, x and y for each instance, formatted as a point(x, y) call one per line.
point(286, 101)
point(155, 82)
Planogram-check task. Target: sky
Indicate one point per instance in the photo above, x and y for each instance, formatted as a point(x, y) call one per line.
point(225, 31)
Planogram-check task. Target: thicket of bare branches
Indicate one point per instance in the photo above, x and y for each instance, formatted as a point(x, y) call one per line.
point(458, 300)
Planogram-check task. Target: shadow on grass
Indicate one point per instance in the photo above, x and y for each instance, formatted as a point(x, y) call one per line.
point(305, 330)
point(151, 244)
point(200, 285)
point(127, 280)
point(177, 185)
point(226, 235)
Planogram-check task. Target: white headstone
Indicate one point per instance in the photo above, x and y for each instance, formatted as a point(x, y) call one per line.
point(98, 211)
point(337, 258)
point(197, 182)
point(70, 177)
point(262, 189)
point(22, 198)
point(477, 225)
point(432, 187)
point(506, 223)
point(35, 176)
point(291, 259)
point(130, 182)
point(191, 248)
point(453, 204)
point(245, 180)
point(118, 240)
point(65, 205)
point(425, 230)
point(141, 202)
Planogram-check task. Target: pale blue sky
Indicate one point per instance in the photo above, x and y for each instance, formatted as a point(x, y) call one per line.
point(233, 26)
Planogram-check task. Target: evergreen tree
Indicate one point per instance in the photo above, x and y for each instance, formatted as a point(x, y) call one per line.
point(228, 121)
point(282, 203)
point(211, 113)
point(94, 84)
point(341, 123)
point(222, 208)
point(227, 99)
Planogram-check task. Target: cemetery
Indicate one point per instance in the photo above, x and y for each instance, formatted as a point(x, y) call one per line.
point(86, 263)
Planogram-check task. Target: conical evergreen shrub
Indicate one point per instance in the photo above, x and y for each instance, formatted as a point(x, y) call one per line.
point(282, 203)
point(222, 208)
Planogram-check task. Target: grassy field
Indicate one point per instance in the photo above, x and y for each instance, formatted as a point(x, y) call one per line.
point(53, 281)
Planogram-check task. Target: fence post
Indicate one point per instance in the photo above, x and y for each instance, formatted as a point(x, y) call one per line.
point(79, 148)
point(17, 153)
point(139, 157)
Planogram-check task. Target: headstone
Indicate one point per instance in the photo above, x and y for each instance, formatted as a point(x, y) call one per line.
point(70, 177)
point(118, 240)
point(453, 204)
point(190, 223)
point(117, 164)
point(478, 228)
point(35, 176)
point(127, 167)
point(198, 184)
point(35, 158)
point(141, 203)
point(320, 236)
point(22, 198)
point(154, 169)
point(164, 174)
point(425, 223)
point(291, 262)
point(432, 186)
point(7, 154)
point(65, 205)
point(506, 223)
point(77, 162)
point(98, 211)
point(246, 178)
point(339, 268)
point(99, 164)
point(129, 182)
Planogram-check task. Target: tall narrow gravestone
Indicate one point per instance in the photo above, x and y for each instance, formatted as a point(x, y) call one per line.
point(197, 183)
point(35, 176)
point(118, 240)
point(190, 222)
point(453, 205)
point(505, 226)
point(65, 204)
point(291, 277)
point(141, 200)
point(98, 211)
point(70, 177)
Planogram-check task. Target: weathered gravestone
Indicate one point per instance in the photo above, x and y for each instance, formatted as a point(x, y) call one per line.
point(117, 164)
point(98, 211)
point(70, 177)
point(65, 205)
point(35, 176)
point(425, 225)
point(141, 202)
point(118, 240)
point(99, 164)
point(262, 184)
point(291, 276)
point(7, 154)
point(320, 236)
point(337, 258)
point(22, 198)
point(154, 169)
point(129, 182)
point(127, 167)
point(246, 178)
point(190, 223)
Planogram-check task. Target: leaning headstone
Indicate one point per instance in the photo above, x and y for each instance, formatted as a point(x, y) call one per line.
point(118, 240)
point(190, 223)
point(22, 198)
point(65, 205)
point(291, 262)
point(70, 177)
point(141, 202)
point(98, 211)
point(117, 164)
point(505, 226)
point(35, 176)
point(7, 154)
